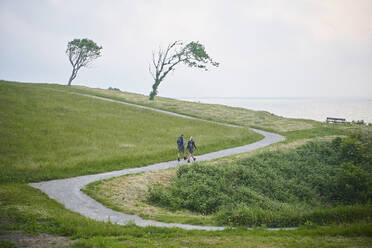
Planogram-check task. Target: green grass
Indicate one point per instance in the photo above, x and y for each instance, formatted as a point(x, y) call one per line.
point(32, 211)
point(47, 134)
point(319, 130)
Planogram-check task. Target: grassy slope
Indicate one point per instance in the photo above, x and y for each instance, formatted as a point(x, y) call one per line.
point(222, 113)
point(48, 134)
point(33, 211)
point(293, 129)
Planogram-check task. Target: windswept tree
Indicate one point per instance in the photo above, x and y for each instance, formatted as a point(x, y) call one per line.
point(192, 54)
point(81, 52)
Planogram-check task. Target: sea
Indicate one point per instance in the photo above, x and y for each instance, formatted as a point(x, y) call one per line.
point(351, 109)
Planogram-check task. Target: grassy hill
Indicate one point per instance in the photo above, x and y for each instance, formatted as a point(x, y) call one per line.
point(47, 132)
point(293, 129)
point(222, 113)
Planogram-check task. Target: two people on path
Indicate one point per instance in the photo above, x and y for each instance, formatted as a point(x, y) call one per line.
point(190, 148)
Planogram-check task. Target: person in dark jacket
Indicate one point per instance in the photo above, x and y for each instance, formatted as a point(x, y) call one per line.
point(190, 148)
point(181, 147)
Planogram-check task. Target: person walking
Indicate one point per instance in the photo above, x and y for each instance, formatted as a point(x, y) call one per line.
point(190, 148)
point(181, 147)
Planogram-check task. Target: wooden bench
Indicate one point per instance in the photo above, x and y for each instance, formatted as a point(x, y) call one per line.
point(336, 120)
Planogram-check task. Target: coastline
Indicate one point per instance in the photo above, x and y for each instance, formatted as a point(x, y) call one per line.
point(318, 109)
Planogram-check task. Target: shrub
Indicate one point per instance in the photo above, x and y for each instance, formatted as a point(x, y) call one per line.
point(311, 183)
point(353, 184)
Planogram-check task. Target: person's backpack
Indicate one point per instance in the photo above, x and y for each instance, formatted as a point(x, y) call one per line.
point(179, 141)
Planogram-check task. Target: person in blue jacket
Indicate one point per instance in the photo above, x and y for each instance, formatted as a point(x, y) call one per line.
point(181, 147)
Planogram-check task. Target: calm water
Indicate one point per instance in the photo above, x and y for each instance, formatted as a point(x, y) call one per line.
point(306, 108)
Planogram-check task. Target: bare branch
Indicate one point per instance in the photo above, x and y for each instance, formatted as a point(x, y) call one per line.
point(153, 60)
point(151, 72)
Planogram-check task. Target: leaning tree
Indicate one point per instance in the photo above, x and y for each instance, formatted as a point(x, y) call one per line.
point(81, 52)
point(164, 61)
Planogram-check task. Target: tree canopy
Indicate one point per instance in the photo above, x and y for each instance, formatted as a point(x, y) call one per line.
point(192, 54)
point(80, 53)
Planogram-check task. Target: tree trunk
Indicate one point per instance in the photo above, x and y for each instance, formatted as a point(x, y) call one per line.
point(154, 91)
point(72, 77)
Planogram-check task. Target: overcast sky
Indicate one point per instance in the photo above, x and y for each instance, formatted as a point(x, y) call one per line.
point(289, 48)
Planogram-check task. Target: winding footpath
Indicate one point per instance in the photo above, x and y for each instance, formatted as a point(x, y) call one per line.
point(68, 191)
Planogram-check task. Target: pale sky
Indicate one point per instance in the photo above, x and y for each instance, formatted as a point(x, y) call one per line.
point(266, 48)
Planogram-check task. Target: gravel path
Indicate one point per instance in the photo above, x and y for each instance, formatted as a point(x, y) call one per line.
point(68, 191)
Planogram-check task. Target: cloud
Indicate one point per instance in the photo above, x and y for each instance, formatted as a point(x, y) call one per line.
point(266, 48)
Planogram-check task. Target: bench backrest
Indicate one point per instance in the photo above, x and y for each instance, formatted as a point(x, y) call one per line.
point(331, 119)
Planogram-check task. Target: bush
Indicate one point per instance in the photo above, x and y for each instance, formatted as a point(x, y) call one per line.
point(242, 215)
point(111, 88)
point(353, 184)
point(311, 183)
